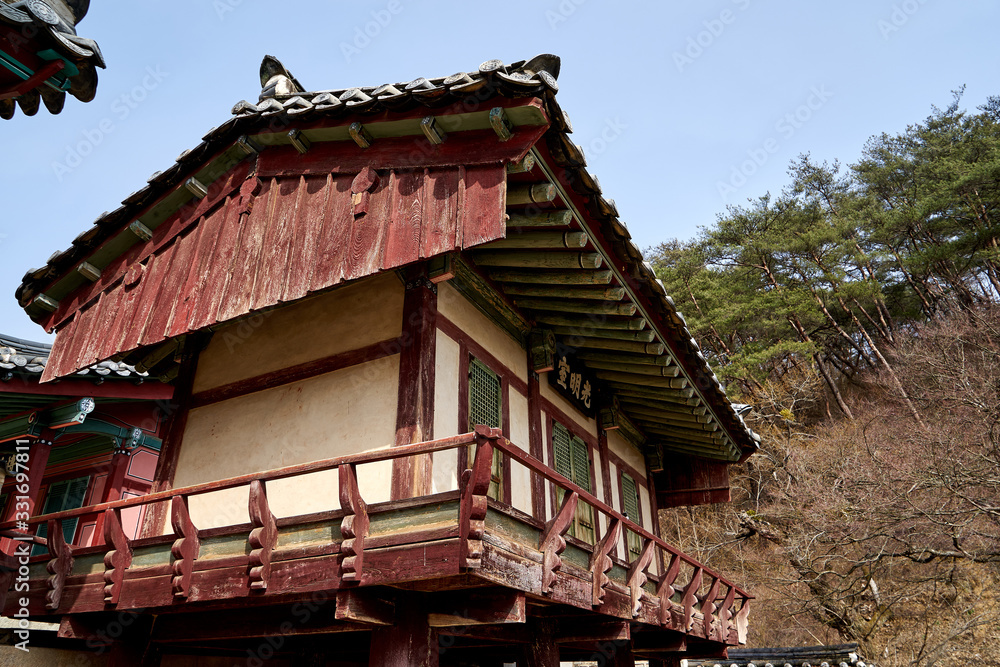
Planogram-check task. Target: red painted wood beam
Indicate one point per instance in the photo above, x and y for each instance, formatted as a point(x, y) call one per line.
point(152, 391)
point(34, 81)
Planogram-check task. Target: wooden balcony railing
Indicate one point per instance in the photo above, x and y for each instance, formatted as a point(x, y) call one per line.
point(686, 596)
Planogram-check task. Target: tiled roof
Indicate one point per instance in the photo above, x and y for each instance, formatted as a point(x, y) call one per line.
point(283, 102)
point(838, 655)
point(47, 30)
point(29, 358)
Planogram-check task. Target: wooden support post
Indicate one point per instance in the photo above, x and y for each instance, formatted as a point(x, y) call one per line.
point(59, 566)
point(411, 476)
point(117, 559)
point(535, 443)
point(185, 548)
point(553, 543)
point(262, 538)
point(543, 651)
point(354, 526)
point(176, 413)
point(411, 642)
point(600, 561)
point(38, 458)
point(473, 504)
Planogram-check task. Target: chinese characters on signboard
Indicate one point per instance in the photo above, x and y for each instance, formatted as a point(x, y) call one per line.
point(573, 381)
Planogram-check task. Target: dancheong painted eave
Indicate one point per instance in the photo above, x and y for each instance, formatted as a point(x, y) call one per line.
point(275, 191)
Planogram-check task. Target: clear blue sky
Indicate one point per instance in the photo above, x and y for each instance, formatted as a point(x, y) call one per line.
point(670, 100)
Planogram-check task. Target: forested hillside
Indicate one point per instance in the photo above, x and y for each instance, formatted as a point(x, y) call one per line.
point(858, 313)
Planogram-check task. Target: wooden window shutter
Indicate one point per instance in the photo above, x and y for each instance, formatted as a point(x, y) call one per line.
point(630, 506)
point(65, 495)
point(486, 409)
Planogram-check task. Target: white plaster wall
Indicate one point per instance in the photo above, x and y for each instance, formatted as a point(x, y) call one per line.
point(627, 453)
point(495, 340)
point(344, 319)
point(445, 467)
point(344, 412)
point(520, 477)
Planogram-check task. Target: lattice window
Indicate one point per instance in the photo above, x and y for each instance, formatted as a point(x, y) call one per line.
point(572, 460)
point(630, 507)
point(486, 409)
point(65, 495)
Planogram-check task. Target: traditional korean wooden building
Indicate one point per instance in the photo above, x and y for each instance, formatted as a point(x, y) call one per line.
point(42, 58)
point(430, 397)
point(89, 438)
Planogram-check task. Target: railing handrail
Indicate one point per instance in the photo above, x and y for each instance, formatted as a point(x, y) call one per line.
point(321, 465)
point(375, 456)
point(550, 474)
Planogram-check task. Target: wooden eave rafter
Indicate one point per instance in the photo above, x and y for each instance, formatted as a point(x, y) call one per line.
point(557, 269)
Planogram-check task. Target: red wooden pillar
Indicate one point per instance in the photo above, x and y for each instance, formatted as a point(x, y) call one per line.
point(411, 476)
point(543, 650)
point(535, 443)
point(411, 642)
point(38, 459)
point(176, 413)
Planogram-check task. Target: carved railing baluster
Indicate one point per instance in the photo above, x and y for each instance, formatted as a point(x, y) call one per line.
point(666, 590)
point(553, 543)
point(185, 548)
point(689, 599)
point(600, 562)
point(262, 538)
point(59, 566)
point(117, 559)
point(475, 485)
point(741, 622)
point(708, 608)
point(354, 526)
point(638, 575)
point(725, 615)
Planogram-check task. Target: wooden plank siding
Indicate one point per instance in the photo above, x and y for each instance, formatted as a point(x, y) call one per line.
point(297, 235)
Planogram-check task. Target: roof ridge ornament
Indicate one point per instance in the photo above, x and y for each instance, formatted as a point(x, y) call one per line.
point(276, 80)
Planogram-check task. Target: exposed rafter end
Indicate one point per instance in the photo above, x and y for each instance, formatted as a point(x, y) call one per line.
point(196, 187)
point(142, 231)
point(46, 303)
point(434, 133)
point(88, 271)
point(299, 140)
point(501, 123)
point(522, 166)
point(248, 145)
point(360, 135)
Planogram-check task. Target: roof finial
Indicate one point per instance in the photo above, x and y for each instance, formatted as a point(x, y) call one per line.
point(276, 81)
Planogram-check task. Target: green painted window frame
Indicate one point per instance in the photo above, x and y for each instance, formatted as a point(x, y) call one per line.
point(630, 508)
point(571, 459)
point(58, 498)
point(486, 389)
